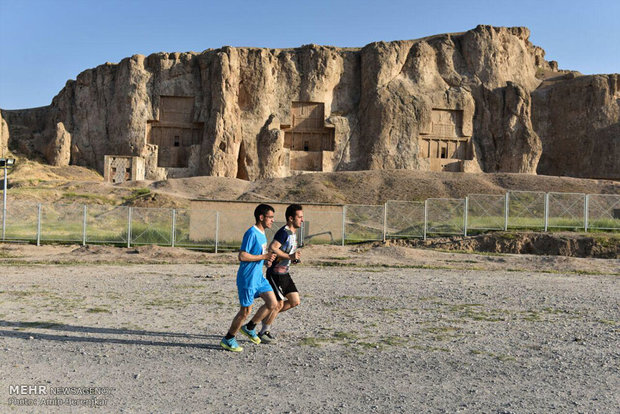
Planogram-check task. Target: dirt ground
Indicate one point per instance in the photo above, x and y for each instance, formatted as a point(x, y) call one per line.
point(381, 328)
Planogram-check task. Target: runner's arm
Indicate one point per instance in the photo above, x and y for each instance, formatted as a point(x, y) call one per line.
point(275, 247)
point(247, 257)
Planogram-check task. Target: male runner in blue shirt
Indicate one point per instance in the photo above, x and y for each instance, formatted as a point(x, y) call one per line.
point(251, 283)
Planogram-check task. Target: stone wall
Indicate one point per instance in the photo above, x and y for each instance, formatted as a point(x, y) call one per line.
point(323, 222)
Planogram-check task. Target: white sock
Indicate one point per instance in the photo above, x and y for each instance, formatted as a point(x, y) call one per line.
point(264, 329)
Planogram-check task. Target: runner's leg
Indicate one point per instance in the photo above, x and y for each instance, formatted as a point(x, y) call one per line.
point(292, 301)
point(270, 305)
point(240, 317)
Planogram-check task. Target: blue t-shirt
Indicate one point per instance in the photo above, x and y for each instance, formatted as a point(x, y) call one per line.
point(250, 274)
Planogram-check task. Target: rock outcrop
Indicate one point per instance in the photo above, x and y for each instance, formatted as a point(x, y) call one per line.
point(470, 101)
point(578, 119)
point(486, 73)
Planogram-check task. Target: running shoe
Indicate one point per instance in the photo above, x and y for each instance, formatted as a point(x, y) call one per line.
point(267, 338)
point(231, 345)
point(250, 333)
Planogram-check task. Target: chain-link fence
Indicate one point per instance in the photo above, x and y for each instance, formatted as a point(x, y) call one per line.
point(445, 216)
point(603, 212)
point(223, 228)
point(404, 219)
point(486, 212)
point(363, 222)
point(565, 210)
point(21, 221)
point(107, 224)
point(526, 210)
point(62, 222)
point(151, 226)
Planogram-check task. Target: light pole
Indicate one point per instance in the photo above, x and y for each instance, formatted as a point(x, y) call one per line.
point(5, 163)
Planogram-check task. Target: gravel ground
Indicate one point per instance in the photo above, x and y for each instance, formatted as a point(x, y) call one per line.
point(144, 338)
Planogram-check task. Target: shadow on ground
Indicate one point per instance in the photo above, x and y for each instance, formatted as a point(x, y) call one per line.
point(107, 340)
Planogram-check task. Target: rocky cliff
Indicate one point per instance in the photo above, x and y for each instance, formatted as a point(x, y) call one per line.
point(578, 119)
point(473, 100)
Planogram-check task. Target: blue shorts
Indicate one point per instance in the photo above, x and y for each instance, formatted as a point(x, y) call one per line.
point(247, 295)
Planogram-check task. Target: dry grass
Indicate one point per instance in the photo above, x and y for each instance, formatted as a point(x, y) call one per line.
point(44, 183)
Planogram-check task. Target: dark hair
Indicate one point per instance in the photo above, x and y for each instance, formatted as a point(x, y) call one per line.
point(262, 210)
point(291, 210)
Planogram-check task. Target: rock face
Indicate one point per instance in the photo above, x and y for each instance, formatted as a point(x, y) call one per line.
point(511, 145)
point(459, 102)
point(578, 119)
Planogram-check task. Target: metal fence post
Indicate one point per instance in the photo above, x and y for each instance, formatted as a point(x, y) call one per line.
point(384, 220)
point(344, 215)
point(39, 224)
point(217, 229)
point(465, 216)
point(506, 207)
point(586, 208)
point(546, 211)
point(174, 221)
point(425, 217)
point(84, 227)
point(4, 199)
point(129, 227)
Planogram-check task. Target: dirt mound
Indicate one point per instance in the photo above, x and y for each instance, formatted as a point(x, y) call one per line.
point(376, 187)
point(155, 200)
point(37, 182)
point(214, 188)
point(162, 254)
point(89, 249)
point(605, 246)
point(30, 171)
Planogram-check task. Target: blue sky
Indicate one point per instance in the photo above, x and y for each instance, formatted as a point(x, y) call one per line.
point(44, 43)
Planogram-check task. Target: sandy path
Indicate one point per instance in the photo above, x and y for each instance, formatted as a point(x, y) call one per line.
point(365, 339)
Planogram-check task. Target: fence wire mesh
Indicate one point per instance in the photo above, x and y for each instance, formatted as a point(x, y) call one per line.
point(526, 210)
point(566, 210)
point(445, 216)
point(363, 222)
point(107, 224)
point(21, 220)
point(62, 222)
point(604, 211)
point(323, 224)
point(151, 226)
point(486, 212)
point(404, 219)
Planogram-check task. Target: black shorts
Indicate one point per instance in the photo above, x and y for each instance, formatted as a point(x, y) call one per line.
point(282, 285)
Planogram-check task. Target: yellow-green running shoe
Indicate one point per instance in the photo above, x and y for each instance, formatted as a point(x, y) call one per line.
point(250, 333)
point(230, 345)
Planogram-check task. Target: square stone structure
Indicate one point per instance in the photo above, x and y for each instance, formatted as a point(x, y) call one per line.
point(121, 168)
